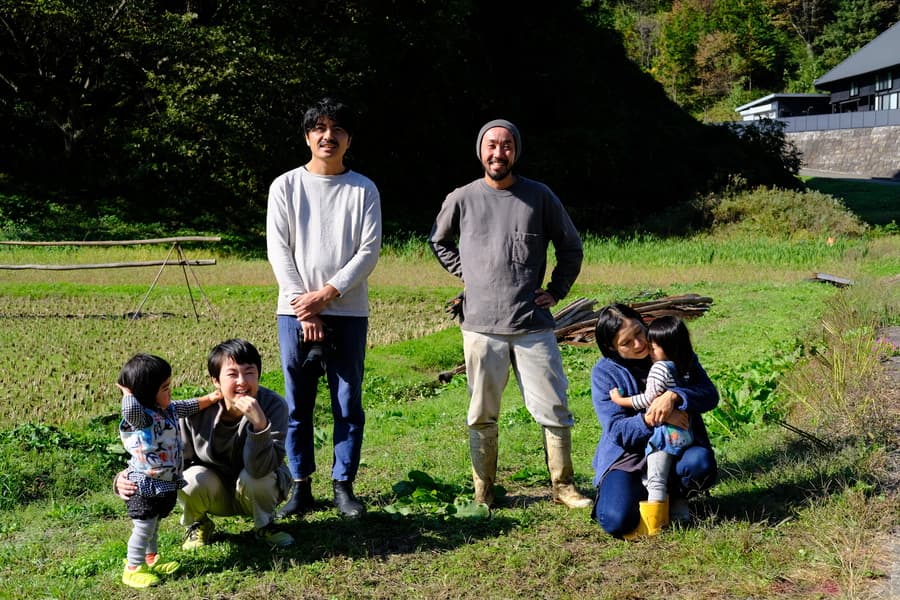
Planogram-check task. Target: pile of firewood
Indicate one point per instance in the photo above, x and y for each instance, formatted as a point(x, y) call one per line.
point(576, 321)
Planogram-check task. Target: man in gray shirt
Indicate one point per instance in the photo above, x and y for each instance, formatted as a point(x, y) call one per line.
point(494, 234)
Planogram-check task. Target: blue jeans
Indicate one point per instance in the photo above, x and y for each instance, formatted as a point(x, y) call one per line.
point(620, 492)
point(346, 337)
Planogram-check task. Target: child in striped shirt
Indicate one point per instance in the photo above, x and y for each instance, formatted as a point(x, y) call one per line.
point(673, 359)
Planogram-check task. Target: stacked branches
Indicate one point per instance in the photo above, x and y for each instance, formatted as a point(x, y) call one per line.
point(576, 321)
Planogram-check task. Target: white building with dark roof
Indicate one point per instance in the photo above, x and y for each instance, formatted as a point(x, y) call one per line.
point(779, 106)
point(869, 79)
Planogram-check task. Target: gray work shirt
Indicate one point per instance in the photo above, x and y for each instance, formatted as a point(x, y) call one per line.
point(496, 241)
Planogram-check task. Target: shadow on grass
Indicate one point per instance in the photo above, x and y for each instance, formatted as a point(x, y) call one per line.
point(780, 481)
point(376, 534)
point(873, 200)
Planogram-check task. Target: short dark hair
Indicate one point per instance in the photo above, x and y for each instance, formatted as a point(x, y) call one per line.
point(609, 320)
point(673, 337)
point(335, 110)
point(144, 374)
point(241, 351)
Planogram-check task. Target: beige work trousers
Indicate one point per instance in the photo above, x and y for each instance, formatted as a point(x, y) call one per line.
point(537, 365)
point(207, 493)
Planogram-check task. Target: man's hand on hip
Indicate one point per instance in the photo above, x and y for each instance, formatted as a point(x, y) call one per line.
point(544, 299)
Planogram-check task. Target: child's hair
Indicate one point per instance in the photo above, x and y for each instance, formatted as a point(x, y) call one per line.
point(671, 334)
point(609, 321)
point(144, 374)
point(241, 351)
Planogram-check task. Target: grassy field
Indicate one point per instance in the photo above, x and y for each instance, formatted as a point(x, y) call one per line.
point(794, 516)
point(876, 200)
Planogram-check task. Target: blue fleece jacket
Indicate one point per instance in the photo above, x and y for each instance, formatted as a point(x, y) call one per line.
point(624, 429)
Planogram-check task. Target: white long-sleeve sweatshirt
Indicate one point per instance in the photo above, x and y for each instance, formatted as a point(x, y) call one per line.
point(323, 229)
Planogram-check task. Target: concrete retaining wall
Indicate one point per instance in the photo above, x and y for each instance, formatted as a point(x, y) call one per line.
point(867, 152)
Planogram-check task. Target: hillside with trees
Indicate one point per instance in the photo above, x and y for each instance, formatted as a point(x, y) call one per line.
point(714, 55)
point(175, 115)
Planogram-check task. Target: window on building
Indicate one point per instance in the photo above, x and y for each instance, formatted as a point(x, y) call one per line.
point(887, 101)
point(854, 89)
point(883, 81)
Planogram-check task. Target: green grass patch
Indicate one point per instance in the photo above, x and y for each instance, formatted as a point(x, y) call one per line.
point(788, 518)
point(737, 251)
point(875, 203)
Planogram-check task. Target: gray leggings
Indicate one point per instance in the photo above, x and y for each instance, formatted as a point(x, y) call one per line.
point(659, 463)
point(143, 540)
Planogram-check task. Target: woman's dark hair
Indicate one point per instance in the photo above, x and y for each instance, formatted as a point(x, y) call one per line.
point(241, 351)
point(144, 374)
point(335, 110)
point(609, 321)
point(671, 334)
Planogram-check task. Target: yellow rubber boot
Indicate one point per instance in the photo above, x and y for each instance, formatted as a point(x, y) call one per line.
point(161, 567)
point(141, 577)
point(639, 531)
point(654, 516)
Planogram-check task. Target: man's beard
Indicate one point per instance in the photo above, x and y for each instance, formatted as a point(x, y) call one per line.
point(499, 175)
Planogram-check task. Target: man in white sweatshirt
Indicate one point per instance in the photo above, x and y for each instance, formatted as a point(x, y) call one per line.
point(323, 233)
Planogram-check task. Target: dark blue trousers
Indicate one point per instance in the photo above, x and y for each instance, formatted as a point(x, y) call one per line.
point(344, 360)
point(620, 492)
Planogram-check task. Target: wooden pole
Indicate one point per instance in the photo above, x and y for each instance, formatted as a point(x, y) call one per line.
point(118, 265)
point(162, 264)
point(169, 240)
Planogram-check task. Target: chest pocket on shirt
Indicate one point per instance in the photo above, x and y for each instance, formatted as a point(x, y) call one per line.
point(527, 249)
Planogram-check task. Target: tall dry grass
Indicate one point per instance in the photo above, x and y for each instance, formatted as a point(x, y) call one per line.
point(841, 388)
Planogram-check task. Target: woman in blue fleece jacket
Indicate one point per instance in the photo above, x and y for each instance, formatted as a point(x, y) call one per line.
point(619, 461)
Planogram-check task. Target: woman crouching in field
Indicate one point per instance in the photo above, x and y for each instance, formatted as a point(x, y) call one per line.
point(619, 461)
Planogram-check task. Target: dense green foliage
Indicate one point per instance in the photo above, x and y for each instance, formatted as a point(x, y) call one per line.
point(714, 55)
point(787, 214)
point(177, 115)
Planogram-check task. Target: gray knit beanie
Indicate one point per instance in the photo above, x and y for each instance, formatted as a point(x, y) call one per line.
point(506, 125)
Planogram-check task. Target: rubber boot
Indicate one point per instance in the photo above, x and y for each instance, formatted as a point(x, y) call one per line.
point(558, 452)
point(301, 501)
point(654, 516)
point(483, 450)
point(639, 531)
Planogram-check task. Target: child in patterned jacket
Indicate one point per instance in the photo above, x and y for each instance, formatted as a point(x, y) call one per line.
point(151, 434)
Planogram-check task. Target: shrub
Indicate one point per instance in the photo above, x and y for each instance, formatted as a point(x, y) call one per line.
point(783, 213)
point(766, 142)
